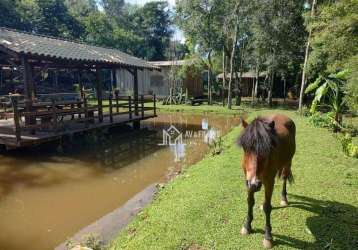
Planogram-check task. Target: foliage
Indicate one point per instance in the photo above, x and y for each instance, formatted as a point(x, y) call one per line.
point(334, 37)
point(351, 88)
point(91, 241)
point(143, 31)
point(216, 147)
point(331, 88)
point(348, 146)
point(321, 120)
point(193, 65)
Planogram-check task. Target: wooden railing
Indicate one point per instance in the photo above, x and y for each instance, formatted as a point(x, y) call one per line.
point(60, 114)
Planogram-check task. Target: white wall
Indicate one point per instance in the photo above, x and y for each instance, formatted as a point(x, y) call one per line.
point(125, 82)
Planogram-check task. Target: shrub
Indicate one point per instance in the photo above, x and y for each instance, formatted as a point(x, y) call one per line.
point(348, 146)
point(322, 120)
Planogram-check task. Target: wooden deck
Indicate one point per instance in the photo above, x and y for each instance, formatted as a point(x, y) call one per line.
point(8, 137)
point(51, 121)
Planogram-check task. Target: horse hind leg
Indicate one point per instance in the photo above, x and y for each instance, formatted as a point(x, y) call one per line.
point(286, 174)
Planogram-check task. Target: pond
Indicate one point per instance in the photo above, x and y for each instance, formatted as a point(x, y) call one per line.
point(48, 193)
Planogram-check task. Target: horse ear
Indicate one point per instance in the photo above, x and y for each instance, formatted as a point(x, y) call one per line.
point(244, 123)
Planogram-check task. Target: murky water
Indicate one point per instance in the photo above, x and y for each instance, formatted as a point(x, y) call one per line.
point(48, 194)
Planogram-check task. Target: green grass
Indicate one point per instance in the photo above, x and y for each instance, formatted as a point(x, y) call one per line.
point(205, 207)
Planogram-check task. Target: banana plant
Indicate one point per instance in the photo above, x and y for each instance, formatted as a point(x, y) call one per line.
point(329, 88)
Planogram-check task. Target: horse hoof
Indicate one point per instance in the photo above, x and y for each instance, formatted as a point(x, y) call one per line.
point(245, 231)
point(283, 203)
point(267, 244)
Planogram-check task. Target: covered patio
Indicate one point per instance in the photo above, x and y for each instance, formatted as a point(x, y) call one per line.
point(31, 114)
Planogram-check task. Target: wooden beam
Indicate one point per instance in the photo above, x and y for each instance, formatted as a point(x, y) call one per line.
point(28, 88)
point(135, 91)
point(99, 95)
point(114, 79)
point(14, 101)
point(9, 52)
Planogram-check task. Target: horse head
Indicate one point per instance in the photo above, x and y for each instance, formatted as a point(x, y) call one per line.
point(257, 141)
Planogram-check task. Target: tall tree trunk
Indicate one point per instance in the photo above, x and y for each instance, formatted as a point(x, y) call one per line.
point(224, 77)
point(209, 78)
point(256, 84)
point(229, 98)
point(303, 81)
point(269, 97)
point(284, 89)
point(242, 59)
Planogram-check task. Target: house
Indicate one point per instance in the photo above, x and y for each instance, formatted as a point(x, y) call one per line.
point(247, 82)
point(162, 81)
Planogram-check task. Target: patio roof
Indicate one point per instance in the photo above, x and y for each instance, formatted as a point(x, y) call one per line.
point(18, 43)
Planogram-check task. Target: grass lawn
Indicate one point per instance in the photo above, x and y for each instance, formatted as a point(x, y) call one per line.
point(205, 207)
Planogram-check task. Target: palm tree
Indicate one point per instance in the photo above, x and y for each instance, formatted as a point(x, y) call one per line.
point(331, 88)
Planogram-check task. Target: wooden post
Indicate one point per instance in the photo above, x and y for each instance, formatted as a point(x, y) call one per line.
point(99, 95)
point(142, 104)
point(117, 102)
point(28, 88)
point(16, 118)
point(72, 108)
point(135, 91)
point(54, 114)
point(113, 80)
point(110, 108)
point(155, 104)
point(85, 109)
point(80, 84)
point(130, 107)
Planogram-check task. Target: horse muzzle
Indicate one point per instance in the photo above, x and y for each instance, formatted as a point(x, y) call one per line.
point(254, 186)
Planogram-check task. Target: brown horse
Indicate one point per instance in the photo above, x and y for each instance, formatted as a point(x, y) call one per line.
point(269, 146)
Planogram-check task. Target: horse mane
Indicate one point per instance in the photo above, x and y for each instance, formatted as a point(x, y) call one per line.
point(259, 137)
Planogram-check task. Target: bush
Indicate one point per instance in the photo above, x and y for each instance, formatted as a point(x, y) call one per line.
point(348, 146)
point(322, 120)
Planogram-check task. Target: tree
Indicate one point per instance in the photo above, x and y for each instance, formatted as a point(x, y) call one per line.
point(333, 60)
point(153, 23)
point(334, 37)
point(303, 80)
point(9, 16)
point(113, 8)
point(200, 20)
point(80, 9)
point(54, 19)
point(351, 88)
point(278, 32)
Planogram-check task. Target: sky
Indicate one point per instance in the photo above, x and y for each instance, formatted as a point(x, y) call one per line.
point(141, 2)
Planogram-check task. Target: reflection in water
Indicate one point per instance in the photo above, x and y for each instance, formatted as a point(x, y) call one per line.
point(178, 151)
point(46, 196)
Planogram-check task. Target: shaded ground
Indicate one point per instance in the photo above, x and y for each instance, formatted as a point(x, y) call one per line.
point(205, 207)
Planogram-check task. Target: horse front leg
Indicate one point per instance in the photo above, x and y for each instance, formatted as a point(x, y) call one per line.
point(246, 229)
point(267, 242)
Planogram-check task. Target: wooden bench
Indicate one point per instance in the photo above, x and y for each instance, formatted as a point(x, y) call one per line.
point(198, 100)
